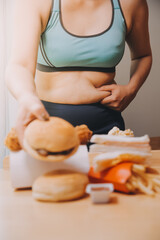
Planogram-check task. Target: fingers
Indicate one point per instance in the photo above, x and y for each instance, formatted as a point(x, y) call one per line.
point(39, 111)
point(111, 102)
point(114, 107)
point(114, 104)
point(28, 118)
point(108, 100)
point(34, 106)
point(27, 112)
point(118, 100)
point(107, 87)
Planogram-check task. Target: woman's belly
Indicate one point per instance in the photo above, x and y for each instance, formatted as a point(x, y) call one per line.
point(72, 87)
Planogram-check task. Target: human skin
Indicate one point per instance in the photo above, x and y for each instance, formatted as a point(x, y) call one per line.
point(29, 21)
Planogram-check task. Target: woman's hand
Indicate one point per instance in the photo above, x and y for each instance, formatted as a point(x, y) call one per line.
point(30, 108)
point(120, 96)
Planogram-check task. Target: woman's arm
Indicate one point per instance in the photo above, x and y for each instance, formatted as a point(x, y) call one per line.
point(141, 59)
point(29, 20)
point(139, 44)
point(27, 25)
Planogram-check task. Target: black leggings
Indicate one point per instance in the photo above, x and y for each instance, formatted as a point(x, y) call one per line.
point(99, 118)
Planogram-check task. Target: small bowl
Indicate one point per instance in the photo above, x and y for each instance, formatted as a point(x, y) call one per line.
point(100, 192)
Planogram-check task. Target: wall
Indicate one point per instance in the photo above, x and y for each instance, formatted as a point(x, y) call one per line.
point(3, 99)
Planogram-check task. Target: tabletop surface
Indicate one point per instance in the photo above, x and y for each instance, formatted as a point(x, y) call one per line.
point(126, 217)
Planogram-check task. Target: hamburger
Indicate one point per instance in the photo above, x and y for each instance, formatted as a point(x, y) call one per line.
point(59, 185)
point(51, 140)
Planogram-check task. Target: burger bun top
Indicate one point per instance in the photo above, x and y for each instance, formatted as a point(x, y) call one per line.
point(53, 135)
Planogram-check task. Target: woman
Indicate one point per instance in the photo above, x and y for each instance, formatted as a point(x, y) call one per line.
point(76, 45)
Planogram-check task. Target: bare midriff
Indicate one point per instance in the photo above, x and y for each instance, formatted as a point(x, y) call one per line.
point(79, 87)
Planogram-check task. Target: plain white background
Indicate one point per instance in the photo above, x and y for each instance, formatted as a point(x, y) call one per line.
point(142, 115)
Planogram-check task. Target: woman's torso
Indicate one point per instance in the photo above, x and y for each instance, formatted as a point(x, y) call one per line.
point(83, 23)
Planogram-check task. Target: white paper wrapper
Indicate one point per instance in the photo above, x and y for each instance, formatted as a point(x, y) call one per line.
point(24, 169)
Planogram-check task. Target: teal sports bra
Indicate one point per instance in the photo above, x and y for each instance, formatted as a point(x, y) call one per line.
point(60, 50)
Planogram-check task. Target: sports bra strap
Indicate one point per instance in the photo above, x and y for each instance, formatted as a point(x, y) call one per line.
point(116, 4)
point(55, 5)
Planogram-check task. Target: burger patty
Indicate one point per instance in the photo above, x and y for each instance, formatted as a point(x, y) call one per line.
point(44, 152)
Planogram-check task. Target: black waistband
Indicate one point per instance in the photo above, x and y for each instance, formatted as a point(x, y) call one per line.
point(99, 118)
point(45, 68)
point(72, 106)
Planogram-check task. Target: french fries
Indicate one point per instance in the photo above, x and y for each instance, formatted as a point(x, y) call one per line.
point(143, 181)
point(128, 177)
